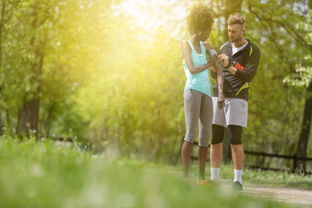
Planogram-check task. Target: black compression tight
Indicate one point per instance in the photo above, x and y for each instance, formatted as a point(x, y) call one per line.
point(218, 134)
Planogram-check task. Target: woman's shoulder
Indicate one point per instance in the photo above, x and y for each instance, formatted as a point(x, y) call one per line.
point(185, 44)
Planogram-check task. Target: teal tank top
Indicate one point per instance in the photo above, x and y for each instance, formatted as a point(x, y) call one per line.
point(199, 81)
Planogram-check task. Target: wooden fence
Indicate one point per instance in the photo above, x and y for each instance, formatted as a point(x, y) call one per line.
point(271, 155)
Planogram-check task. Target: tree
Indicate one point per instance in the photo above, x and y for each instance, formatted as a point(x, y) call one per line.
point(303, 79)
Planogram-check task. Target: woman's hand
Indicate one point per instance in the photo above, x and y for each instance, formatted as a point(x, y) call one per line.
point(206, 45)
point(213, 60)
point(220, 100)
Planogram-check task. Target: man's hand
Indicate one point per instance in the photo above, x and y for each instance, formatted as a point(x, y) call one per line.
point(224, 59)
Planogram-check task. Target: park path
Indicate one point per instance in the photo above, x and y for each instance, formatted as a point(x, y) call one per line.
point(298, 197)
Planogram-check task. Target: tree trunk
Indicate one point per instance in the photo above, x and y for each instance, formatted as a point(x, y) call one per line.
point(29, 112)
point(8, 126)
point(302, 147)
point(28, 117)
point(3, 7)
point(48, 121)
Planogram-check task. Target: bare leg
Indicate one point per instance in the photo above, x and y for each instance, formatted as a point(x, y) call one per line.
point(186, 153)
point(202, 161)
point(216, 151)
point(238, 156)
point(205, 124)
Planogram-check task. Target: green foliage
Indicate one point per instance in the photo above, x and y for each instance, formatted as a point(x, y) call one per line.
point(111, 72)
point(303, 75)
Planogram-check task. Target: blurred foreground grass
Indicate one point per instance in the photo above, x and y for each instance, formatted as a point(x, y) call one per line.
point(47, 174)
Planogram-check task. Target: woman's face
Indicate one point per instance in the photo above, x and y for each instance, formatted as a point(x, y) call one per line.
point(204, 35)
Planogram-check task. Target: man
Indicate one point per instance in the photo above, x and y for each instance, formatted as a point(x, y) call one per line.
point(240, 58)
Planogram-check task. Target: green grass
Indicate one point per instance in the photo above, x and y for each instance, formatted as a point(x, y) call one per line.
point(279, 179)
point(270, 178)
point(44, 174)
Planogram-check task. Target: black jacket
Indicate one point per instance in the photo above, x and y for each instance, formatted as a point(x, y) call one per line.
point(236, 86)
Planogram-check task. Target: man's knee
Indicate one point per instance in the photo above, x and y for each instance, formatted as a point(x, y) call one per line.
point(236, 134)
point(217, 134)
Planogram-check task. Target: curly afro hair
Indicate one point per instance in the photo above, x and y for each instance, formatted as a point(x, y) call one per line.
point(199, 19)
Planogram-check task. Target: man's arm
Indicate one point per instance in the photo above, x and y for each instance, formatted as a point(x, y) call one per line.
point(220, 80)
point(232, 70)
point(246, 73)
point(214, 72)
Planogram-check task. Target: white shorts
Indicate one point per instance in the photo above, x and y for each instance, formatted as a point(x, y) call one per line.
point(235, 112)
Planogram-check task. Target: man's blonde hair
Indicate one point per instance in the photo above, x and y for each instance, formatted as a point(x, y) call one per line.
point(236, 18)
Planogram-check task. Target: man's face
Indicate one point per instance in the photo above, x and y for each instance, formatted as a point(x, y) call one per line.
point(235, 32)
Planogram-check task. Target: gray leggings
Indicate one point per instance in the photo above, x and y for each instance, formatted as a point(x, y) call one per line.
point(198, 107)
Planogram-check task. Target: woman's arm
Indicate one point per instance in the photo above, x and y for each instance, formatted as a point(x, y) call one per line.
point(219, 71)
point(186, 51)
point(212, 59)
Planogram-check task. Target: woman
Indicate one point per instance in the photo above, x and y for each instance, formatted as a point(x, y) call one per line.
point(197, 92)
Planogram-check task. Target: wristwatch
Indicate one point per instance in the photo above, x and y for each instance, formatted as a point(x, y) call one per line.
point(231, 63)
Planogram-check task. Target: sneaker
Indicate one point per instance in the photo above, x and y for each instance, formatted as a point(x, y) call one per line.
point(237, 186)
point(188, 180)
point(207, 183)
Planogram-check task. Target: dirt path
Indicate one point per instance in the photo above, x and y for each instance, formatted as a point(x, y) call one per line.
point(289, 195)
point(282, 194)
